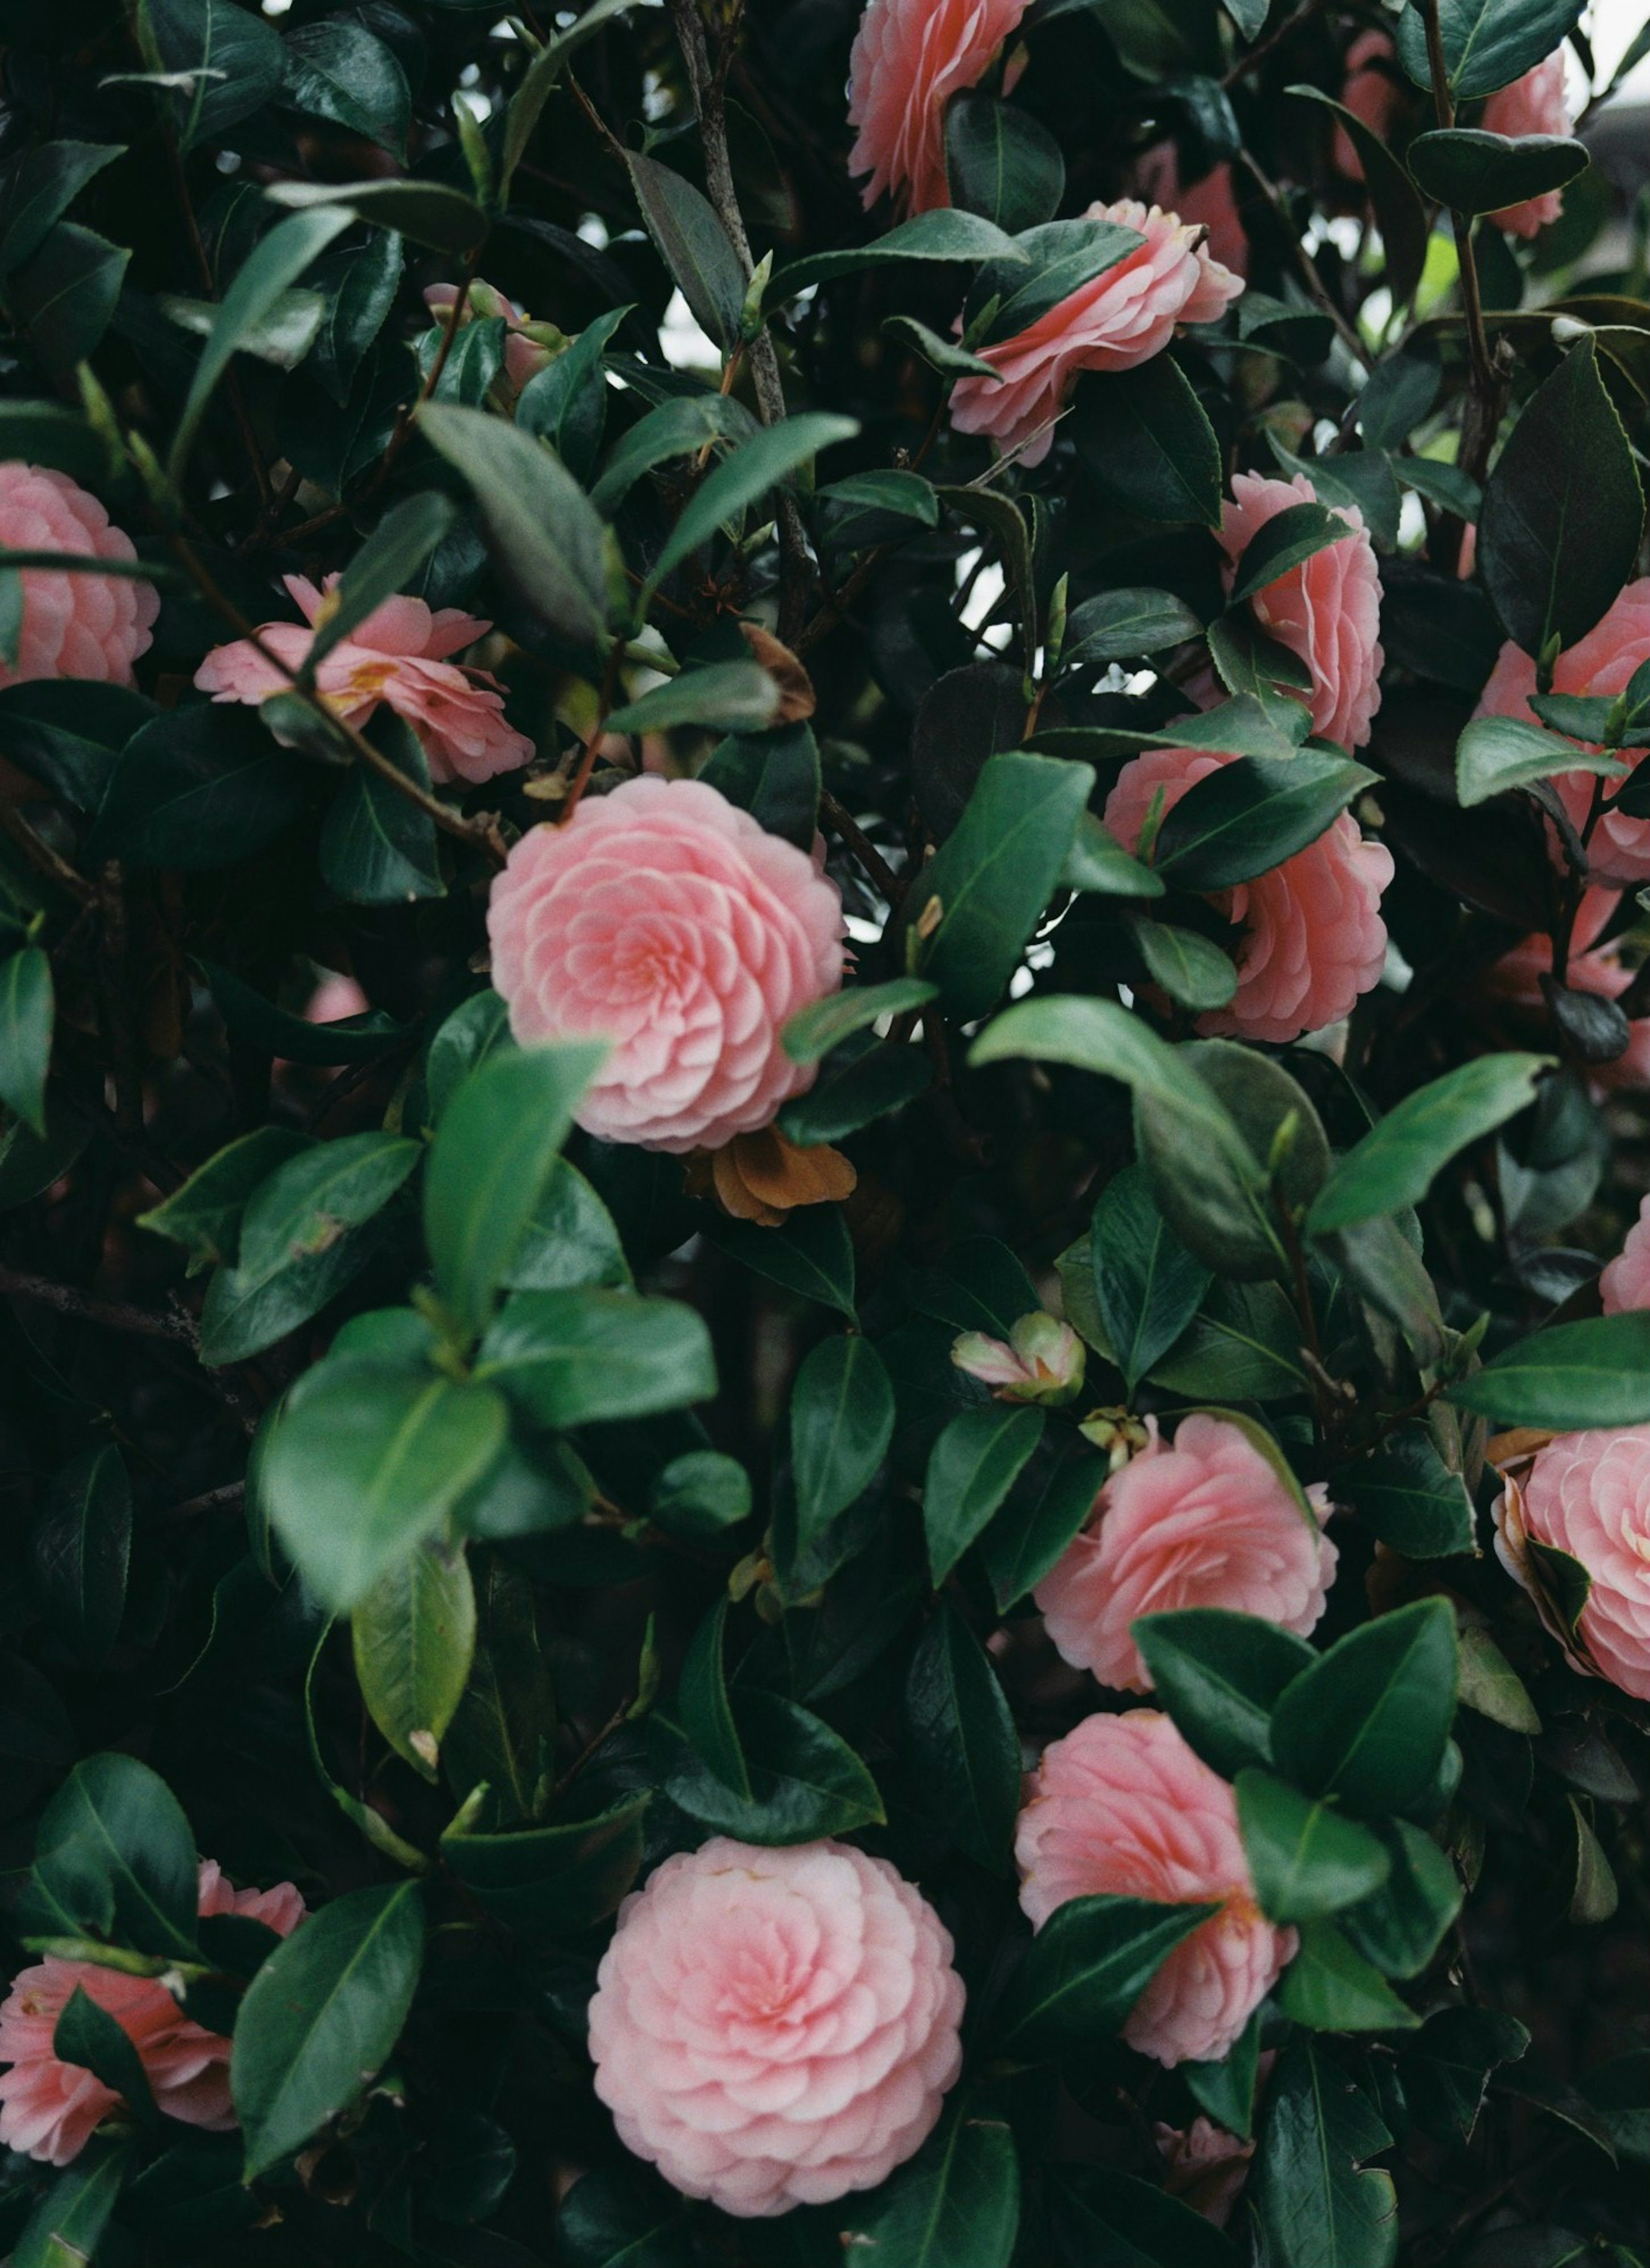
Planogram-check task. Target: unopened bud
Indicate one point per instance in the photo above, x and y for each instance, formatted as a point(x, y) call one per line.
point(1042, 1360)
point(1120, 1435)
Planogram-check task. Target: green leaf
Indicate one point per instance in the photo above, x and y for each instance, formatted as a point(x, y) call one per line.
point(995, 874)
point(723, 696)
point(377, 847)
point(1112, 2220)
point(1288, 538)
point(964, 1749)
point(740, 480)
point(1563, 509)
point(44, 183)
point(542, 529)
point(1486, 43)
point(256, 1023)
point(858, 1083)
point(1447, 2068)
point(1401, 1926)
point(842, 1421)
point(234, 61)
point(81, 1549)
point(538, 82)
point(1490, 1684)
point(813, 1032)
point(368, 1458)
point(1147, 1285)
point(1305, 1859)
point(945, 234)
point(1224, 1211)
point(575, 1357)
point(1319, 2205)
point(941, 354)
point(321, 2016)
point(1126, 626)
point(505, 1719)
point(805, 1780)
point(1146, 439)
point(488, 1165)
point(1001, 162)
point(812, 1254)
point(66, 2227)
point(113, 1857)
point(1249, 816)
point(1191, 968)
point(1084, 1970)
point(339, 70)
point(414, 1636)
point(307, 1204)
point(1098, 862)
point(1368, 1722)
point(775, 775)
point(242, 1317)
point(693, 245)
point(1399, 214)
point(707, 1715)
point(699, 1495)
point(1218, 1674)
point(1568, 1378)
point(571, 1239)
point(388, 563)
point(955, 2204)
point(971, 1467)
point(199, 788)
point(625, 2219)
point(871, 496)
point(1407, 1496)
point(1018, 1551)
point(1473, 172)
point(88, 2036)
point(1396, 1162)
point(548, 1881)
point(27, 1006)
point(1496, 754)
point(1053, 261)
point(429, 212)
point(1331, 1988)
point(680, 427)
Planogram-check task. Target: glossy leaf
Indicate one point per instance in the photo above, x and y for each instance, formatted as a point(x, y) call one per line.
point(541, 527)
point(956, 2203)
point(200, 788)
point(972, 1467)
point(113, 1857)
point(1249, 816)
point(1486, 45)
point(82, 1551)
point(1368, 1721)
point(429, 212)
point(547, 1881)
point(693, 245)
point(707, 1715)
point(1084, 1970)
point(571, 1358)
point(414, 1636)
point(1106, 2216)
point(26, 1015)
point(1496, 753)
point(842, 1421)
point(1396, 1163)
point(1320, 2203)
point(742, 480)
point(1018, 1550)
point(1147, 1285)
point(1305, 1859)
point(1569, 1377)
point(1330, 1987)
point(1478, 172)
point(1407, 1496)
point(964, 1749)
point(1218, 1676)
point(1001, 162)
point(805, 1780)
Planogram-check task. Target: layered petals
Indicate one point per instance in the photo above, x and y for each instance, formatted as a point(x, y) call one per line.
point(1625, 1282)
point(1588, 1495)
point(74, 625)
point(1591, 967)
point(1326, 610)
point(909, 58)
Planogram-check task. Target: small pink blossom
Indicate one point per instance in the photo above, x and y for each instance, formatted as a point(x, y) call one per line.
point(1534, 104)
point(1373, 92)
point(1204, 2166)
point(1122, 1806)
point(663, 918)
point(1042, 1359)
point(1117, 321)
point(398, 655)
point(74, 625)
point(909, 58)
point(1602, 663)
point(1313, 939)
point(529, 347)
point(49, 2109)
point(1588, 1495)
point(1591, 967)
point(1206, 1522)
point(1625, 1283)
point(775, 2028)
point(1326, 610)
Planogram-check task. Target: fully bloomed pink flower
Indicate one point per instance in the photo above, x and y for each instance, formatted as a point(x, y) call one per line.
point(1591, 967)
point(664, 919)
point(1534, 104)
point(49, 2109)
point(1206, 1523)
point(1122, 1806)
point(1602, 663)
point(1625, 1283)
point(1117, 321)
point(1588, 1495)
point(73, 625)
point(1314, 938)
point(909, 58)
point(1373, 92)
point(1327, 610)
point(398, 655)
point(776, 2028)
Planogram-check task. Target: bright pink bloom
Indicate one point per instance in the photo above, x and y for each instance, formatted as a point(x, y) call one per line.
point(1373, 92)
point(399, 655)
point(1601, 663)
point(1534, 104)
point(1313, 939)
point(1588, 1495)
point(776, 2028)
point(1593, 968)
point(1204, 2166)
point(1210, 204)
point(49, 2109)
point(909, 58)
point(529, 347)
point(1206, 1523)
point(1122, 1806)
point(73, 625)
point(663, 918)
point(1625, 1283)
point(1327, 610)
point(1117, 321)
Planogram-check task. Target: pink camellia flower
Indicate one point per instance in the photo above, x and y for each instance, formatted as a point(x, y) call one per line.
point(1117, 321)
point(49, 2109)
point(1534, 104)
point(1313, 939)
point(1122, 1806)
point(1208, 1522)
point(1204, 2166)
point(1601, 663)
point(1209, 203)
point(665, 919)
point(775, 2028)
point(1625, 1283)
point(529, 347)
point(1588, 1495)
point(909, 58)
point(1373, 92)
point(1327, 610)
point(73, 625)
point(398, 655)
point(1591, 967)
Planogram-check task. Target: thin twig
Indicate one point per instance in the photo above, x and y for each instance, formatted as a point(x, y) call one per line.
point(43, 858)
point(112, 1314)
point(1482, 414)
point(217, 1500)
point(842, 822)
point(1316, 289)
point(1275, 38)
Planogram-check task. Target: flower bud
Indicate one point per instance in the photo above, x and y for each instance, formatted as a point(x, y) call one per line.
point(1042, 1360)
point(1115, 1431)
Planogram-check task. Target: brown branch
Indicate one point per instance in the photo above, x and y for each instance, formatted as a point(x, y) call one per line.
point(43, 858)
point(842, 822)
point(112, 1314)
point(217, 1500)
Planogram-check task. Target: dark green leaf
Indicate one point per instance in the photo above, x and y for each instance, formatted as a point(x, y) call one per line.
point(1305, 1859)
point(941, 354)
point(1408, 1497)
point(1144, 438)
point(1018, 1548)
point(571, 1239)
point(1318, 2204)
point(45, 183)
point(1098, 862)
point(1496, 754)
point(945, 234)
point(1474, 171)
point(546, 1881)
point(701, 1494)
point(1396, 1163)
point(258, 1024)
point(813, 1031)
point(571, 1358)
point(1084, 1970)
point(1001, 162)
point(677, 428)
point(113, 1857)
point(1125, 626)
point(1446, 2069)
point(234, 60)
point(1109, 2219)
point(27, 1006)
point(1368, 1721)
point(742, 480)
point(242, 1317)
point(1051, 263)
point(707, 1715)
point(429, 212)
point(88, 2036)
point(544, 530)
point(624, 2219)
point(82, 1548)
point(1191, 968)
point(414, 1636)
point(1571, 1376)
point(308, 1203)
point(1487, 44)
point(971, 1467)
point(693, 246)
point(1399, 213)
point(339, 70)
point(1147, 1285)
point(1218, 1674)
point(66, 2225)
point(377, 847)
point(1282, 542)
point(964, 1747)
point(956, 2203)
point(202, 787)
point(505, 1719)
point(812, 1253)
point(1330, 1987)
point(805, 1780)
point(566, 402)
point(386, 564)
point(1401, 1924)
point(723, 696)
point(842, 1421)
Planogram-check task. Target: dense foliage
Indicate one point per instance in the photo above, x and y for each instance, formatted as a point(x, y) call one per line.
point(451, 1485)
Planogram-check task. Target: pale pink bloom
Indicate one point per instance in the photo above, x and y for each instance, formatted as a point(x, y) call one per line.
point(1121, 1806)
point(1593, 968)
point(529, 347)
point(664, 919)
point(1534, 104)
point(1117, 321)
point(1373, 92)
point(1601, 663)
point(1204, 2166)
point(73, 625)
point(1210, 204)
point(49, 2109)
point(1042, 1359)
point(909, 58)
point(1588, 1495)
point(1625, 1283)
point(1313, 939)
point(334, 999)
point(1207, 1523)
point(775, 2028)
point(398, 655)
point(1326, 610)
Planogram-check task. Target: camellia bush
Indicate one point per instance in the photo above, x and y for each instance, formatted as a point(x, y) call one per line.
point(825, 1075)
